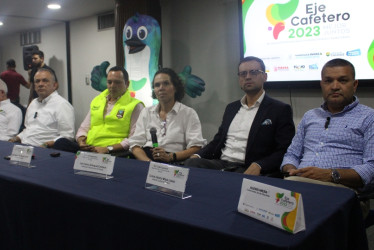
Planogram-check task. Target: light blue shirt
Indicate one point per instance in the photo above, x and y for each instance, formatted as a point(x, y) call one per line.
point(348, 142)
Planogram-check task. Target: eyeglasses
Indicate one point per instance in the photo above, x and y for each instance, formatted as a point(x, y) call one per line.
point(163, 128)
point(254, 72)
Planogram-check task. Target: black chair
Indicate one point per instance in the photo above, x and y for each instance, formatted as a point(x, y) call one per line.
point(364, 196)
point(23, 110)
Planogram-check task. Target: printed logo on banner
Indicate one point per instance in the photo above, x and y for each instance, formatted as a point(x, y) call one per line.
point(277, 13)
point(288, 218)
point(371, 55)
point(335, 54)
point(299, 67)
point(356, 52)
point(313, 66)
point(306, 23)
point(280, 68)
point(308, 55)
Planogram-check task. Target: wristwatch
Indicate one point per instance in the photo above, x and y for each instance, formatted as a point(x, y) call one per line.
point(110, 149)
point(335, 175)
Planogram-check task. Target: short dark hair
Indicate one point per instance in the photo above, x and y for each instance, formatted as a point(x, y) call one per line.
point(177, 82)
point(122, 69)
point(338, 62)
point(51, 71)
point(253, 58)
point(39, 53)
point(11, 63)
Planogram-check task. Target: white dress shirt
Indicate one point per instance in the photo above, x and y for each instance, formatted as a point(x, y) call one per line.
point(48, 120)
point(181, 130)
point(237, 135)
point(10, 120)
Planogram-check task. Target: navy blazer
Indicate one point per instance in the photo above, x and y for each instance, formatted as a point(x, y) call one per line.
point(267, 143)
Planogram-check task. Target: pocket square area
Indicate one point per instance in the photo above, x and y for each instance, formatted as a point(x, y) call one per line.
point(267, 122)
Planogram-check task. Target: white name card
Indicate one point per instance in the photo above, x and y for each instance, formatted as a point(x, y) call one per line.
point(21, 155)
point(88, 162)
point(167, 179)
point(278, 207)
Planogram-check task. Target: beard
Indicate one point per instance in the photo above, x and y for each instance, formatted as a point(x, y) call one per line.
point(339, 103)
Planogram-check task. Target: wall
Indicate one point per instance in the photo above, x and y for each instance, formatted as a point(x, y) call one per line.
point(209, 43)
point(89, 47)
point(10, 48)
point(53, 42)
point(54, 47)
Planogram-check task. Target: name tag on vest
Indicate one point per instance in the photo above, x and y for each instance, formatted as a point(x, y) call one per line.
point(120, 114)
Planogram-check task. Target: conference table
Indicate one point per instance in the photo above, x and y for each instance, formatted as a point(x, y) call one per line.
point(50, 207)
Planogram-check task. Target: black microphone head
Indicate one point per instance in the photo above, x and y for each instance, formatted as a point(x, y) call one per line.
point(328, 118)
point(153, 130)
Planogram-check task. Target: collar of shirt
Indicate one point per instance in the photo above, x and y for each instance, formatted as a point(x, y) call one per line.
point(176, 107)
point(4, 102)
point(346, 108)
point(108, 97)
point(45, 100)
point(243, 101)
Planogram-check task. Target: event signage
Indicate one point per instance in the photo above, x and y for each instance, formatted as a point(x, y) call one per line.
point(167, 179)
point(278, 207)
point(21, 155)
point(296, 38)
point(93, 164)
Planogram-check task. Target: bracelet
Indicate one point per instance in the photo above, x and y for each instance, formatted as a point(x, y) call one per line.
point(174, 157)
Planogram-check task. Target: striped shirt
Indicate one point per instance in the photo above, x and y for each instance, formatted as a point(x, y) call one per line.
point(346, 143)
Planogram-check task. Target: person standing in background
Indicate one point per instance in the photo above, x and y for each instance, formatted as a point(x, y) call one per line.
point(37, 63)
point(13, 81)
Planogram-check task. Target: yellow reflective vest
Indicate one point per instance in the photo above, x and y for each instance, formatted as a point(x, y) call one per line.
point(114, 127)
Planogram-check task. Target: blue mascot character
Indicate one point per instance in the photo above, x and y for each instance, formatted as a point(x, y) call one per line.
point(141, 43)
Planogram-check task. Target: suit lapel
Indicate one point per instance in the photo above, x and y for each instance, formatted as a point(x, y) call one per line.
point(230, 117)
point(259, 118)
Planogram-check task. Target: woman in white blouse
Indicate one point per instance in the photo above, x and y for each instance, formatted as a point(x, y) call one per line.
point(178, 127)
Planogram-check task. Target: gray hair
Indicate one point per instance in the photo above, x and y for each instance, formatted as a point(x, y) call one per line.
point(3, 86)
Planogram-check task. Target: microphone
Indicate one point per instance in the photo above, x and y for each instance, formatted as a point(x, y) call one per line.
point(35, 115)
point(153, 132)
point(327, 122)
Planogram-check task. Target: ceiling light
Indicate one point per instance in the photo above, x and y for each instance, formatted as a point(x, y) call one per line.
point(1, 23)
point(54, 6)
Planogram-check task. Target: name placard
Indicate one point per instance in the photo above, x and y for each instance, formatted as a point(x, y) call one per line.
point(167, 179)
point(94, 164)
point(21, 155)
point(276, 206)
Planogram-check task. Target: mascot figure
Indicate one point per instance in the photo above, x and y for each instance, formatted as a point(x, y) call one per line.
point(141, 43)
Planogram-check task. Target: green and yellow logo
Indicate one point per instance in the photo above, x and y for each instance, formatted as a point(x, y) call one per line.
point(277, 13)
point(371, 55)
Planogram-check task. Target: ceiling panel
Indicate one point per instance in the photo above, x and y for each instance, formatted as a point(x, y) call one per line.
point(23, 15)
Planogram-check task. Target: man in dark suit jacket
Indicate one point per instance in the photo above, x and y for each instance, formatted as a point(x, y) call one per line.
point(255, 131)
